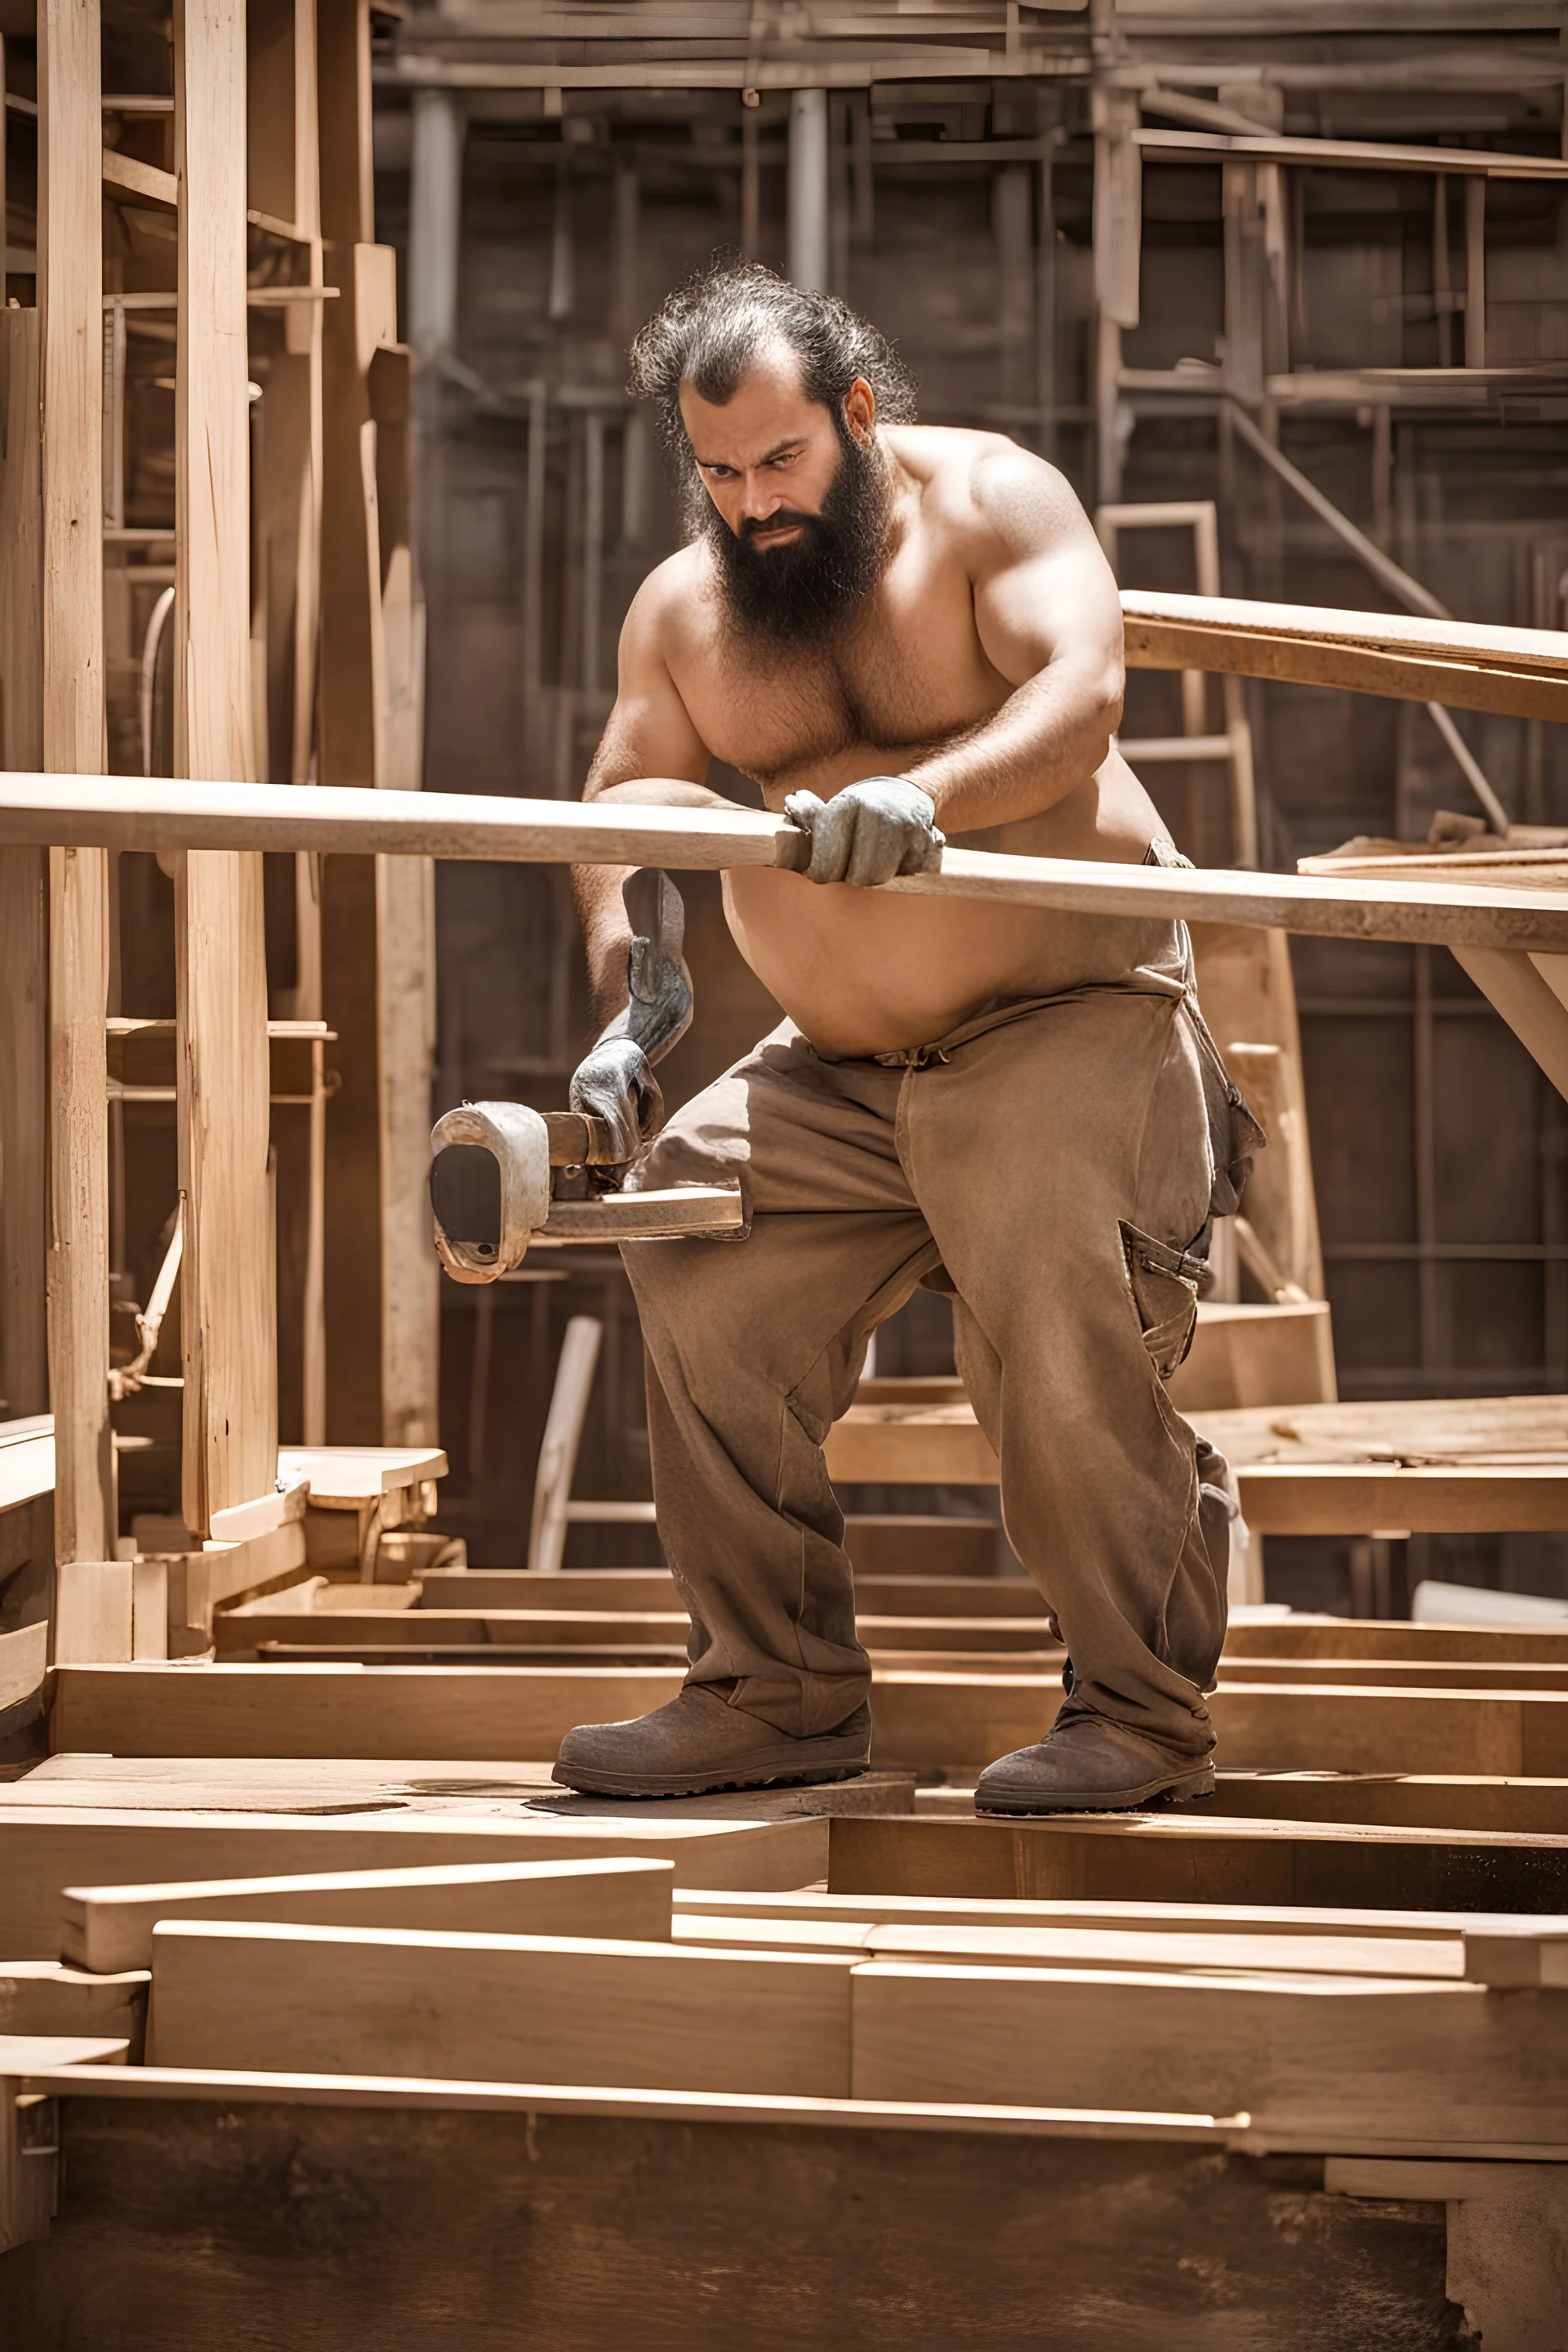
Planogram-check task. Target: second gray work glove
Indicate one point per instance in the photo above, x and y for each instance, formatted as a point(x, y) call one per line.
point(615, 1082)
point(869, 832)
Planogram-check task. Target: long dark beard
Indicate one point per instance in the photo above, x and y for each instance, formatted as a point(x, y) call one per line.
point(798, 593)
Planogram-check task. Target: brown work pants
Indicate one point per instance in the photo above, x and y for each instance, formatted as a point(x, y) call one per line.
point(1052, 1165)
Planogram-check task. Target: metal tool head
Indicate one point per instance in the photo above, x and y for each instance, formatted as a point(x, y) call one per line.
point(489, 1187)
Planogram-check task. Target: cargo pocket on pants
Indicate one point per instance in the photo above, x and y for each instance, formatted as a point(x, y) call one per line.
point(1165, 1291)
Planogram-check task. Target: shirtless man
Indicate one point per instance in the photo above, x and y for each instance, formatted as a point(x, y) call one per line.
point(905, 633)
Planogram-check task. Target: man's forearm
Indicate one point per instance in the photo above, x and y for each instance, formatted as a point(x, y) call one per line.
point(1048, 738)
point(601, 910)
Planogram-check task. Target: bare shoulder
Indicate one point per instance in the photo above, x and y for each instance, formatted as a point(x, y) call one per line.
point(998, 498)
point(670, 612)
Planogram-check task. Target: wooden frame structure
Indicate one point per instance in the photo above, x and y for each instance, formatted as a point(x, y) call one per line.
point(242, 199)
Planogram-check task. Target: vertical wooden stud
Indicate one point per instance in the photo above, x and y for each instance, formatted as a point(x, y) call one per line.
point(229, 1313)
point(70, 267)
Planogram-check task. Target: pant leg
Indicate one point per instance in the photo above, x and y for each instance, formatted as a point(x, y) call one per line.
point(1064, 1161)
point(754, 1349)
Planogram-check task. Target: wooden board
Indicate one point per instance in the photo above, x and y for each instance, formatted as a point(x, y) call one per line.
point(1250, 1355)
point(995, 1944)
point(1525, 671)
point(557, 2215)
point(1427, 1800)
point(1310, 2055)
point(1396, 1673)
point(527, 1629)
point(808, 1909)
point(110, 1927)
point(1372, 1637)
point(44, 1849)
point(70, 302)
point(169, 814)
point(499, 2007)
point(940, 1444)
point(1162, 1859)
point(472, 1713)
point(53, 1997)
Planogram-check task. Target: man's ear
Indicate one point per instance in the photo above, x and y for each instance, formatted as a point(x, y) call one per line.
point(860, 409)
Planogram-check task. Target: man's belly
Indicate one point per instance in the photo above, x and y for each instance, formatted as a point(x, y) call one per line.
point(861, 972)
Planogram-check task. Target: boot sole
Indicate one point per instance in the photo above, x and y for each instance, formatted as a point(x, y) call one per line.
point(1181, 1789)
point(641, 1784)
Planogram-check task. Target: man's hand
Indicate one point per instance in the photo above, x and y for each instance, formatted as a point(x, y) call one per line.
point(869, 832)
point(615, 1082)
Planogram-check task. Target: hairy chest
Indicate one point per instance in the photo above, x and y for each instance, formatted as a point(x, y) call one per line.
point(911, 673)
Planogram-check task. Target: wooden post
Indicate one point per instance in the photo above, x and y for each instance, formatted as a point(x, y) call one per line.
point(24, 892)
point(1476, 271)
point(378, 938)
point(1118, 240)
point(70, 260)
point(228, 1308)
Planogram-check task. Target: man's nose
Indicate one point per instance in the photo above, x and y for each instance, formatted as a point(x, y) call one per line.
point(762, 499)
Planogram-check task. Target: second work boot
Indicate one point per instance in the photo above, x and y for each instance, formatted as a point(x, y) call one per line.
point(1086, 1765)
point(699, 1744)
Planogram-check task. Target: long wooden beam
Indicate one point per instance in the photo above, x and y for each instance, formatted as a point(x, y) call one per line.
point(1346, 154)
point(70, 295)
point(172, 814)
point(1471, 665)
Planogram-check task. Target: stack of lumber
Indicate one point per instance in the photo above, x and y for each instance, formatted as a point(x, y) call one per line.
point(294, 1914)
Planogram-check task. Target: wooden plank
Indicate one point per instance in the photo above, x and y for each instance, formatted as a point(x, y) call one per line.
point(70, 302)
point(1461, 663)
point(1363, 1637)
point(24, 1659)
point(1248, 995)
point(1360, 1728)
point(23, 885)
point(1330, 2053)
point(173, 815)
point(46, 1997)
point(92, 1611)
point(807, 1909)
point(44, 1848)
point(940, 1444)
point(127, 175)
point(341, 1478)
point(1347, 154)
point(499, 2200)
point(1257, 1355)
point(1425, 1800)
point(502, 2008)
point(1158, 1859)
point(469, 1713)
point(1529, 1004)
point(110, 1927)
point(1396, 1673)
point(994, 1944)
point(529, 1628)
point(228, 1312)
point(1360, 1498)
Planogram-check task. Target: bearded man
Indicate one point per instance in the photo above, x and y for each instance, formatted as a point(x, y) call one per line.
point(905, 634)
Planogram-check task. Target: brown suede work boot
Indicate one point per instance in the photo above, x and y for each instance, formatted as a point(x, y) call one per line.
point(1086, 1765)
point(699, 1744)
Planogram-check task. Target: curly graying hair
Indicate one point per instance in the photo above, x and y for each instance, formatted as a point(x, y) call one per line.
point(708, 331)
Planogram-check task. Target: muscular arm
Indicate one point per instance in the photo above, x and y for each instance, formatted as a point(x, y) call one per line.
point(649, 753)
point(1047, 611)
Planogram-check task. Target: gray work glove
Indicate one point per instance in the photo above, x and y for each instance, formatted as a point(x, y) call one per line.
point(615, 1082)
point(868, 833)
point(615, 1079)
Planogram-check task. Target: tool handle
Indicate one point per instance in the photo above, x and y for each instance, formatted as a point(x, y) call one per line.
point(577, 1139)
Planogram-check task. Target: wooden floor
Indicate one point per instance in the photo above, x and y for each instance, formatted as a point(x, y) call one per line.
point(348, 1932)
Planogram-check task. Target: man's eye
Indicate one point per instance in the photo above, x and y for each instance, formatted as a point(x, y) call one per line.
point(721, 473)
point(788, 459)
